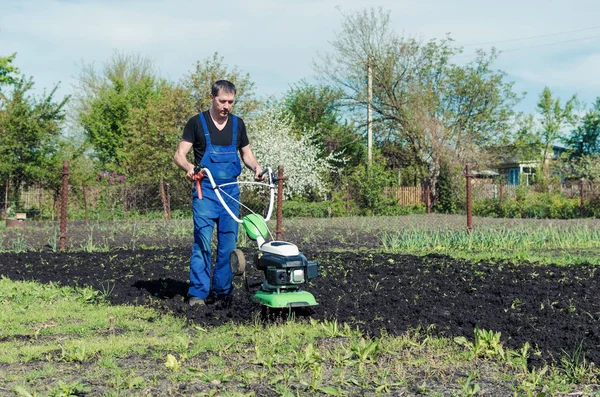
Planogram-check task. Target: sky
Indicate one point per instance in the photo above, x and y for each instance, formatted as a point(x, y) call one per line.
point(553, 43)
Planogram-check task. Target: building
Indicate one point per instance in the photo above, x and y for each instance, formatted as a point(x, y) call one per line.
point(521, 172)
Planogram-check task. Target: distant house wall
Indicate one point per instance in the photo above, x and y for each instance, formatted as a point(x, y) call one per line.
point(518, 172)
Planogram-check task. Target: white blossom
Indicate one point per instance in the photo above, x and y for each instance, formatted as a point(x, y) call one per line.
point(274, 143)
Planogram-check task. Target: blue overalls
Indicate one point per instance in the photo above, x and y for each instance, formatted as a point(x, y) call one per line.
point(225, 166)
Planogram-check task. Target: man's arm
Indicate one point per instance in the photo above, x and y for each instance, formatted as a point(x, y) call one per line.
point(250, 162)
point(180, 159)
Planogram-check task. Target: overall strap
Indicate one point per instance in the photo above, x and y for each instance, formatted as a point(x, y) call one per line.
point(234, 136)
point(205, 128)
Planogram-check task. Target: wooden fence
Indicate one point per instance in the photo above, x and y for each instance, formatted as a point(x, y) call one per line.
point(405, 195)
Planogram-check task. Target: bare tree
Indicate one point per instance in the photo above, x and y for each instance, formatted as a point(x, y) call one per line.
point(434, 109)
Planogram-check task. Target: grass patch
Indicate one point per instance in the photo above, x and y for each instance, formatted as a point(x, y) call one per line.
point(58, 340)
point(550, 244)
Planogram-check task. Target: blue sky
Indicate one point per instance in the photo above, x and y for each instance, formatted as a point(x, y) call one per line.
point(554, 43)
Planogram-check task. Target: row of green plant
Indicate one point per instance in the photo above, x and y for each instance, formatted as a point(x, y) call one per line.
point(63, 341)
point(328, 209)
point(540, 206)
point(556, 244)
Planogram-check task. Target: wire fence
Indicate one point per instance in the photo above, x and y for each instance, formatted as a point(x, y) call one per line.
point(172, 198)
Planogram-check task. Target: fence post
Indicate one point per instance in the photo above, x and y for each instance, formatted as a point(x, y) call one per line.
point(168, 199)
point(468, 177)
point(40, 199)
point(85, 207)
point(6, 199)
point(581, 198)
point(347, 199)
point(501, 194)
point(64, 193)
point(280, 179)
point(163, 198)
point(428, 195)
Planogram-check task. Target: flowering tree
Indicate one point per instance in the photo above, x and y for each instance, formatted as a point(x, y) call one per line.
point(274, 143)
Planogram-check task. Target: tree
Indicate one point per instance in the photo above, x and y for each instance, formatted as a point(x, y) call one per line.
point(316, 108)
point(30, 130)
point(199, 83)
point(154, 132)
point(554, 118)
point(275, 143)
point(585, 139)
point(106, 100)
point(7, 71)
point(431, 107)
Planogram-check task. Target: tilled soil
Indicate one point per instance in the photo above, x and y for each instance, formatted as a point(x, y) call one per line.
point(554, 308)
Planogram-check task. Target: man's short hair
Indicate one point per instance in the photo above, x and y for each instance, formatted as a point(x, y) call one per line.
point(222, 85)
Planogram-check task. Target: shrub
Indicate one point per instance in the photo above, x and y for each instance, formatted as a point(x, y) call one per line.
point(535, 205)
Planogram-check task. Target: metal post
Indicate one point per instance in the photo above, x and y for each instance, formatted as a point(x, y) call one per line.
point(40, 200)
point(581, 198)
point(347, 199)
point(85, 206)
point(163, 198)
point(369, 111)
point(168, 200)
point(6, 199)
point(469, 200)
point(501, 194)
point(64, 193)
point(280, 179)
point(428, 196)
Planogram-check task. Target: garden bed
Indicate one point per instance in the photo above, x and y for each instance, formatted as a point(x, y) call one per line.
point(554, 308)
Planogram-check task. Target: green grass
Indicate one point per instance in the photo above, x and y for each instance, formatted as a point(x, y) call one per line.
point(527, 240)
point(60, 341)
point(563, 245)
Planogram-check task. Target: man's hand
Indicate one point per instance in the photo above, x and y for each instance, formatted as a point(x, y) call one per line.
point(257, 172)
point(190, 174)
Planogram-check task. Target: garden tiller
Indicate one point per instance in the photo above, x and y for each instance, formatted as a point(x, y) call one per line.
point(285, 268)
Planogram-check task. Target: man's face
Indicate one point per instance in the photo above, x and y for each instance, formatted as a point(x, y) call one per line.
point(223, 103)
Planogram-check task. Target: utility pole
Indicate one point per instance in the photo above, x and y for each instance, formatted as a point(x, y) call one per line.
point(369, 111)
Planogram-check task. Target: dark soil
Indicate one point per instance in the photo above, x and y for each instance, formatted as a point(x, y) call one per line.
point(555, 309)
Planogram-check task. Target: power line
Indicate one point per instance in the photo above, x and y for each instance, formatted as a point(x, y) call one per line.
point(531, 37)
point(549, 44)
point(501, 51)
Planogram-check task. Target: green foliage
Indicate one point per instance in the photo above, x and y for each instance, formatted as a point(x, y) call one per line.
point(211, 69)
point(534, 205)
point(419, 98)
point(29, 136)
point(154, 132)
point(586, 166)
point(554, 118)
point(585, 139)
point(489, 208)
point(447, 191)
point(486, 344)
point(316, 108)
point(318, 209)
point(106, 101)
point(369, 181)
point(524, 144)
point(7, 70)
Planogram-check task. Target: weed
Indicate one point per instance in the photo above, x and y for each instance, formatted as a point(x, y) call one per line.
point(70, 389)
point(469, 389)
point(486, 344)
point(20, 245)
point(23, 392)
point(172, 364)
point(576, 368)
point(333, 330)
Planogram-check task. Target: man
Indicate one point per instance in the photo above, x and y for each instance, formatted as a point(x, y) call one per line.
point(216, 136)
